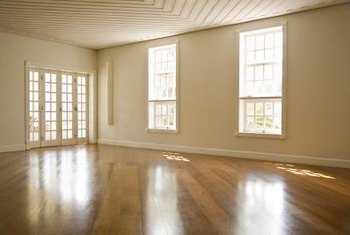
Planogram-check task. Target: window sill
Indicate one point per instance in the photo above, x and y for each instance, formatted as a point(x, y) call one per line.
point(162, 131)
point(257, 135)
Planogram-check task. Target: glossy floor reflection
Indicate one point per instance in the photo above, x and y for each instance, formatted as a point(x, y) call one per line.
point(262, 205)
point(97, 189)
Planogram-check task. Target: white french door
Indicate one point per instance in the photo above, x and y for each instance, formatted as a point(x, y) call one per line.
point(57, 108)
point(49, 115)
point(68, 105)
point(81, 107)
point(34, 108)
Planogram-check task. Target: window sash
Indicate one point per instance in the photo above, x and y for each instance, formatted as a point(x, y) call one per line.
point(162, 115)
point(162, 81)
point(264, 116)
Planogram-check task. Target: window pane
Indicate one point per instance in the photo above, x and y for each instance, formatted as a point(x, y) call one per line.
point(47, 117)
point(47, 107)
point(250, 43)
point(268, 72)
point(250, 124)
point(64, 134)
point(36, 116)
point(36, 76)
point(47, 77)
point(36, 86)
point(259, 108)
point(53, 135)
point(35, 136)
point(269, 40)
point(69, 88)
point(259, 72)
point(260, 42)
point(268, 108)
point(250, 109)
point(47, 135)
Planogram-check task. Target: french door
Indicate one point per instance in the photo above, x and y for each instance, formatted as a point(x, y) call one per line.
point(57, 108)
point(68, 106)
point(49, 117)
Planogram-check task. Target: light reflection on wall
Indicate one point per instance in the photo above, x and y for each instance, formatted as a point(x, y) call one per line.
point(58, 181)
point(261, 206)
point(161, 204)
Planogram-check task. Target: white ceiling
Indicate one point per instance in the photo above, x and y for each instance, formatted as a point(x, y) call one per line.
point(100, 24)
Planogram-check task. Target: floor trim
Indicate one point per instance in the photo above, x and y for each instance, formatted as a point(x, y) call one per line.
point(343, 163)
point(12, 148)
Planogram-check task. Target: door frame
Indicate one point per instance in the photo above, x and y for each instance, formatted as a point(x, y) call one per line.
point(91, 95)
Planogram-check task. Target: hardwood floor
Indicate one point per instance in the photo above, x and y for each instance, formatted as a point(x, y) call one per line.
point(98, 189)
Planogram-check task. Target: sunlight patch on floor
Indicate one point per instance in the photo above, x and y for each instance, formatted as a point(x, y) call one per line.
point(175, 157)
point(292, 169)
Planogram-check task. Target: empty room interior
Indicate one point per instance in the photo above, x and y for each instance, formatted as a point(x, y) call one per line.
point(162, 117)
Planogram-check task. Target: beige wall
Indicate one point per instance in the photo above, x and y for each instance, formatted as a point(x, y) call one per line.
point(14, 51)
point(318, 102)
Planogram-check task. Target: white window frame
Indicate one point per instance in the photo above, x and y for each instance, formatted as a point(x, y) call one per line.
point(177, 98)
point(240, 132)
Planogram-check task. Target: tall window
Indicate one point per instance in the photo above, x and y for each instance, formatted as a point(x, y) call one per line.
point(162, 79)
point(261, 81)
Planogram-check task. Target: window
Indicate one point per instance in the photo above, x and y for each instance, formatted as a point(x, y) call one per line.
point(261, 81)
point(162, 88)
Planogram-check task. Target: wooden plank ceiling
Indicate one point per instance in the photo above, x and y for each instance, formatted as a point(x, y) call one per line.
point(104, 23)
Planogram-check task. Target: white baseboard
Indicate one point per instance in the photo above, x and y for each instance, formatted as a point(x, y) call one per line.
point(12, 148)
point(289, 158)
